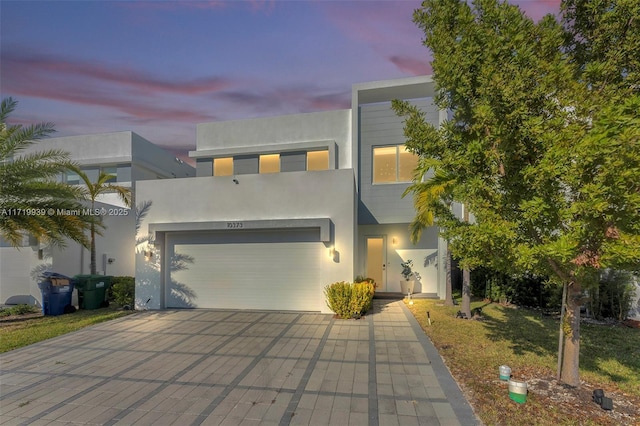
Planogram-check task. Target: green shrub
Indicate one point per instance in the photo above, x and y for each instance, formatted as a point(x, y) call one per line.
point(613, 295)
point(122, 291)
point(362, 297)
point(338, 296)
point(349, 300)
point(523, 290)
point(18, 310)
point(363, 279)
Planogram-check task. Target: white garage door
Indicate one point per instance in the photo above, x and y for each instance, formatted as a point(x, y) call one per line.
point(273, 269)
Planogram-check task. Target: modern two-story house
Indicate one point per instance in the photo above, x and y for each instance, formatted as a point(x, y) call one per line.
point(283, 206)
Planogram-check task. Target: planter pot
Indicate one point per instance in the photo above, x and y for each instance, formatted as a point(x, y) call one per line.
point(406, 286)
point(505, 372)
point(518, 391)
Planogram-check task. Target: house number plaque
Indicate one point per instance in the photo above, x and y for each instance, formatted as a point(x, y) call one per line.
point(235, 225)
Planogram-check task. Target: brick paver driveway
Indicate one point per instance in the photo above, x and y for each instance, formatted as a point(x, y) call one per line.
point(209, 367)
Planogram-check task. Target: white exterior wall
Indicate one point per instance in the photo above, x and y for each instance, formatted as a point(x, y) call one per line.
point(16, 266)
point(424, 255)
point(278, 196)
point(104, 148)
point(297, 128)
point(117, 242)
point(149, 161)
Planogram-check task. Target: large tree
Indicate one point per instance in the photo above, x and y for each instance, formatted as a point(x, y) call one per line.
point(32, 199)
point(543, 141)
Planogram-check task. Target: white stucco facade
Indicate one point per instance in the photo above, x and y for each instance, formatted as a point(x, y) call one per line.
point(316, 226)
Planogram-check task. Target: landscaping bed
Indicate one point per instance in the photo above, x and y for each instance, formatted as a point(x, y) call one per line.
point(526, 340)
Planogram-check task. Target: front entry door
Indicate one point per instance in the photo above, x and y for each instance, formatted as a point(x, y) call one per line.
point(377, 261)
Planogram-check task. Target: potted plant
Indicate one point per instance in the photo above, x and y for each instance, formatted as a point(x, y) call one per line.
point(407, 284)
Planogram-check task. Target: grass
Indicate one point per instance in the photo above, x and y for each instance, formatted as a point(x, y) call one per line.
point(26, 331)
point(527, 341)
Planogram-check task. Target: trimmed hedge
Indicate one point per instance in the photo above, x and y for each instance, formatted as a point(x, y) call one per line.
point(349, 300)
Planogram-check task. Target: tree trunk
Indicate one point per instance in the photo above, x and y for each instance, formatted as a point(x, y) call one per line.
point(448, 298)
point(571, 325)
point(93, 248)
point(466, 292)
point(563, 307)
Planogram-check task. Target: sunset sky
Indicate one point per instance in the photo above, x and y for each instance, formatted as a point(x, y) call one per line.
point(160, 67)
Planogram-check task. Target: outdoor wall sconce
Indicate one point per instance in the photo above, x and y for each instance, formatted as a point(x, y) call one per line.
point(235, 181)
point(394, 241)
point(111, 260)
point(332, 252)
point(148, 254)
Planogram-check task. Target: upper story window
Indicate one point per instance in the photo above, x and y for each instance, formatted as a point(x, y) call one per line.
point(270, 163)
point(119, 173)
point(111, 170)
point(72, 178)
point(223, 166)
point(318, 160)
point(393, 164)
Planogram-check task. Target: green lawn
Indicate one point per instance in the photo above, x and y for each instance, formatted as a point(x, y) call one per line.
point(25, 331)
point(527, 342)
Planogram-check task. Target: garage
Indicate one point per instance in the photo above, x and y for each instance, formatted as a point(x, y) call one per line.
point(272, 269)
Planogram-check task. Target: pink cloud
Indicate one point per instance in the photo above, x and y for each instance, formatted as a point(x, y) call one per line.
point(386, 28)
point(410, 65)
point(133, 93)
point(119, 75)
point(388, 22)
point(286, 100)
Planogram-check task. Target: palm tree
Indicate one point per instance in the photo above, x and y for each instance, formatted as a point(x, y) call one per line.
point(428, 196)
point(32, 200)
point(91, 191)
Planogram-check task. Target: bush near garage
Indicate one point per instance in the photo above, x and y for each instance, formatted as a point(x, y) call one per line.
point(349, 300)
point(122, 291)
point(363, 279)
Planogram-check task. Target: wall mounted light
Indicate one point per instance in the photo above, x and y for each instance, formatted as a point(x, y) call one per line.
point(394, 241)
point(235, 181)
point(148, 254)
point(332, 252)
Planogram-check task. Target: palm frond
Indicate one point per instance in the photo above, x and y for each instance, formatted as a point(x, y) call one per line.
point(142, 210)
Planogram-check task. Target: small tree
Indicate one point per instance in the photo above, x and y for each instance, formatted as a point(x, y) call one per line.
point(91, 191)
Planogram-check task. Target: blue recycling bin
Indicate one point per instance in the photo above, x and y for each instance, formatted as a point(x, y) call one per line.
point(56, 290)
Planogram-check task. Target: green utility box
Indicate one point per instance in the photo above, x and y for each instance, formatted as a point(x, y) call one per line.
point(92, 290)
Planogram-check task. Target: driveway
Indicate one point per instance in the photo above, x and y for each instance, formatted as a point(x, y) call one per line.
point(218, 367)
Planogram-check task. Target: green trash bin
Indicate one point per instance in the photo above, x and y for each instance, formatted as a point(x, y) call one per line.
point(92, 290)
